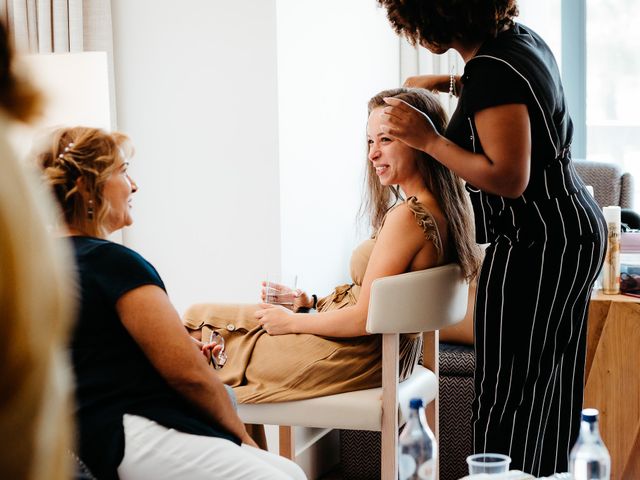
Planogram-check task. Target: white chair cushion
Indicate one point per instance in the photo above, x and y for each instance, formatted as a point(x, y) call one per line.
point(360, 410)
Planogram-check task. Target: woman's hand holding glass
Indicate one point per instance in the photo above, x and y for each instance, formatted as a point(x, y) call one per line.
point(291, 298)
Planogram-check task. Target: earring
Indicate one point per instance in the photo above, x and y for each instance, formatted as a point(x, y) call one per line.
point(90, 210)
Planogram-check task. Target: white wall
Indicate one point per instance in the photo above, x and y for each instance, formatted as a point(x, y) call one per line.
point(250, 153)
point(332, 57)
point(197, 92)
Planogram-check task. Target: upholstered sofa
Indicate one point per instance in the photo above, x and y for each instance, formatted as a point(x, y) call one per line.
point(611, 186)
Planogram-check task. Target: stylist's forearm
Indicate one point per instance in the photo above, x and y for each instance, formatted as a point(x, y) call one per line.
point(474, 168)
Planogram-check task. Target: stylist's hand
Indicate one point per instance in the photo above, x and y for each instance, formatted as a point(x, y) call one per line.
point(408, 124)
point(274, 319)
point(430, 82)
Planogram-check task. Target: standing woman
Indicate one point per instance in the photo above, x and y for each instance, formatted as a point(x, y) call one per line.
point(510, 138)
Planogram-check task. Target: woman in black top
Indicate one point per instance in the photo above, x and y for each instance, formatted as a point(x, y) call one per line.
point(510, 138)
point(134, 362)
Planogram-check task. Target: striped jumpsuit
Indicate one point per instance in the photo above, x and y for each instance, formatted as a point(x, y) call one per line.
point(545, 250)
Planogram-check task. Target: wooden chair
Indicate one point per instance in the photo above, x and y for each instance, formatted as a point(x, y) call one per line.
point(423, 301)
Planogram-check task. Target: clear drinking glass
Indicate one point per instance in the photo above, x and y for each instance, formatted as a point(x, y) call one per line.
point(219, 360)
point(490, 463)
point(279, 292)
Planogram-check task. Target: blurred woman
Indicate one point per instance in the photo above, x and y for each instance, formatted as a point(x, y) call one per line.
point(148, 404)
point(35, 304)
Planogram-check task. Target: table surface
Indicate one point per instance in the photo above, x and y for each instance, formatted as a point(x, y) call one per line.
point(599, 295)
point(515, 475)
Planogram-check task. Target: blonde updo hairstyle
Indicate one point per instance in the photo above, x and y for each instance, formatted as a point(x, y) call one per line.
point(76, 165)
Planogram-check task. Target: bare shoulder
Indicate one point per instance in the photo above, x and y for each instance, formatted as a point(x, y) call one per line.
point(401, 220)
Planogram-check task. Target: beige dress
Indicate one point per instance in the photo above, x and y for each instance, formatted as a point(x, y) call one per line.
point(265, 368)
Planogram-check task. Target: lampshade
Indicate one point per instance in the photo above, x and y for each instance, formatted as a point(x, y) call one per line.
point(76, 90)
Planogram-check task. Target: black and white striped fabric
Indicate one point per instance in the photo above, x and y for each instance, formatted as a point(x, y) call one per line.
point(546, 249)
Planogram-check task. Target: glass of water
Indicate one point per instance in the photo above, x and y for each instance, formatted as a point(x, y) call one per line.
point(279, 293)
point(490, 463)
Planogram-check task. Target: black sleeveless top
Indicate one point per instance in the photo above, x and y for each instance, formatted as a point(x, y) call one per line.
point(517, 67)
point(113, 375)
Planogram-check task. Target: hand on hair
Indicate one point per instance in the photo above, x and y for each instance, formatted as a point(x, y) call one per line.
point(408, 124)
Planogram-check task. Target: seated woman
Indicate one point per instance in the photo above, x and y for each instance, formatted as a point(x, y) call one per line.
point(148, 404)
point(276, 354)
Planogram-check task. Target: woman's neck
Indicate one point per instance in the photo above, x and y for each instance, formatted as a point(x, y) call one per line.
point(70, 231)
point(414, 187)
point(468, 50)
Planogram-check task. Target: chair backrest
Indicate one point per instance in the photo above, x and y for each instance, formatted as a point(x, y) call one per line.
point(611, 186)
point(418, 301)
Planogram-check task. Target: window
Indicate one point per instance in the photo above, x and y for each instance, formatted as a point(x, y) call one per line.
point(613, 84)
point(606, 106)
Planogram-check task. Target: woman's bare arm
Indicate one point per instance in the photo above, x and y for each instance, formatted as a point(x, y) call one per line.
point(504, 132)
point(153, 322)
point(398, 242)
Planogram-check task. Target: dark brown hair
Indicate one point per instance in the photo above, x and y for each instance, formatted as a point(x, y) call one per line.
point(439, 22)
point(17, 96)
point(445, 185)
point(83, 153)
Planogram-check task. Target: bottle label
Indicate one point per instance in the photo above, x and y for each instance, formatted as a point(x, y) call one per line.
point(406, 466)
point(408, 469)
point(611, 267)
point(426, 471)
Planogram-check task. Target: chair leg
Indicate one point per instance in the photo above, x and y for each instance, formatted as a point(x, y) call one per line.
point(389, 460)
point(286, 442)
point(431, 360)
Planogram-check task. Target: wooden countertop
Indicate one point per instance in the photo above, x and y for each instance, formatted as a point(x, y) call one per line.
point(613, 378)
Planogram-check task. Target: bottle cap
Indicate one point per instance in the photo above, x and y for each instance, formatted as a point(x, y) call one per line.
point(589, 415)
point(416, 403)
point(612, 213)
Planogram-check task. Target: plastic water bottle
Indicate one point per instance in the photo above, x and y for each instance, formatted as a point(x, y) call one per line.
point(589, 458)
point(417, 448)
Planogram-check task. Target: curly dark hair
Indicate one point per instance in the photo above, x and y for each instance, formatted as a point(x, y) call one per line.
point(439, 22)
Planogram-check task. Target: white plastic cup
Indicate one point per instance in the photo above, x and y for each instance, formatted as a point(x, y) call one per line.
point(489, 463)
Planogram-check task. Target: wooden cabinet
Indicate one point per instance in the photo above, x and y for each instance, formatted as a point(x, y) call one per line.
point(613, 378)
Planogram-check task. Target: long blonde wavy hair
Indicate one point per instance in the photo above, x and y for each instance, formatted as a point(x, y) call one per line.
point(445, 185)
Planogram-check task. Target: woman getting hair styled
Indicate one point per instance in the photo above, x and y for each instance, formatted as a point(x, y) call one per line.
point(277, 354)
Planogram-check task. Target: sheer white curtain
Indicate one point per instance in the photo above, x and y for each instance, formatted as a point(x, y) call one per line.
point(419, 61)
point(58, 26)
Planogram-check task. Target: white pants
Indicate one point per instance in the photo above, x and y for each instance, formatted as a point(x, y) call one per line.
point(155, 452)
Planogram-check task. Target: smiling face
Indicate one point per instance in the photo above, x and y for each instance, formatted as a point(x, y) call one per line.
point(394, 162)
point(116, 193)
